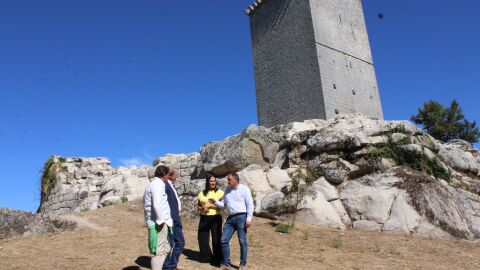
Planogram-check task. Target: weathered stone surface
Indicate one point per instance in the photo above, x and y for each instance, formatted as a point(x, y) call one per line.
point(403, 217)
point(254, 177)
point(460, 156)
point(317, 210)
point(278, 178)
point(342, 213)
point(123, 187)
point(427, 229)
point(255, 145)
point(338, 171)
point(272, 201)
point(329, 192)
point(14, 223)
point(370, 197)
point(295, 133)
point(281, 159)
point(366, 225)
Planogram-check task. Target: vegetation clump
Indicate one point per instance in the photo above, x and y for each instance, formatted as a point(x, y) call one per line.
point(336, 243)
point(49, 175)
point(403, 157)
point(283, 228)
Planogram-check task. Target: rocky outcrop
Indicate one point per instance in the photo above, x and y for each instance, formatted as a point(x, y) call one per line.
point(352, 171)
point(15, 223)
point(255, 145)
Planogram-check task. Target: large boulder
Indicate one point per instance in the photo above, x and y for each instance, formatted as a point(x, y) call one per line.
point(403, 217)
point(364, 202)
point(255, 145)
point(123, 188)
point(338, 170)
point(278, 179)
point(254, 177)
point(461, 156)
point(317, 210)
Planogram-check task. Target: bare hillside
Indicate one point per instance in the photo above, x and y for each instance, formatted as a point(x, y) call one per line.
point(115, 238)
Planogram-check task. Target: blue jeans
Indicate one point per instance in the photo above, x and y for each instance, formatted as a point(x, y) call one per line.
point(176, 238)
point(232, 224)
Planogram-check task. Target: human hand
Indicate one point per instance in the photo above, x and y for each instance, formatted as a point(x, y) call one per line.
point(212, 200)
point(248, 224)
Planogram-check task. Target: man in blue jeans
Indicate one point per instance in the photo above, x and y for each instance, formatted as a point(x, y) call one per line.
point(177, 241)
point(238, 203)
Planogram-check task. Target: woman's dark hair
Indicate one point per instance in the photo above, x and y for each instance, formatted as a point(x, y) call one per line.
point(207, 184)
point(161, 171)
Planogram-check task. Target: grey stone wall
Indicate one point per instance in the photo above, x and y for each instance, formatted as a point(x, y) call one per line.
point(287, 75)
point(346, 65)
point(312, 60)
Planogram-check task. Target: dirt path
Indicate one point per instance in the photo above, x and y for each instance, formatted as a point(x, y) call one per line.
point(115, 238)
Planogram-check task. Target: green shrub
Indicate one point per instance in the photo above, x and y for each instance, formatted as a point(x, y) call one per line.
point(49, 175)
point(336, 243)
point(313, 174)
point(402, 157)
point(124, 199)
point(400, 129)
point(283, 228)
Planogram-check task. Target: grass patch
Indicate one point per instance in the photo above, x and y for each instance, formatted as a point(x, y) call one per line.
point(124, 199)
point(283, 228)
point(253, 243)
point(305, 236)
point(336, 243)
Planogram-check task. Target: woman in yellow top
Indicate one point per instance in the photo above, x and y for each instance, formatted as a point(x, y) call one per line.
point(210, 222)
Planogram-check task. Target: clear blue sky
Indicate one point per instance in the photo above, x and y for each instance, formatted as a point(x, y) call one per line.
point(133, 80)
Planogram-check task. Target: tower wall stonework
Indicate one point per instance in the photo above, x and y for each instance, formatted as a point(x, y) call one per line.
point(312, 59)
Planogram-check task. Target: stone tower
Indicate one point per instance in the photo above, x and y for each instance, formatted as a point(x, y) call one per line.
point(312, 60)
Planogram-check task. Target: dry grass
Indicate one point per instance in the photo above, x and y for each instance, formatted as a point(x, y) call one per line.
point(115, 238)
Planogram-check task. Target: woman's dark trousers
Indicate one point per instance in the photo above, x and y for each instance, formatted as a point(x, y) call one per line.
point(210, 225)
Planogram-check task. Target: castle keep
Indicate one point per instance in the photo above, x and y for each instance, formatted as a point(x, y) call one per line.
point(312, 59)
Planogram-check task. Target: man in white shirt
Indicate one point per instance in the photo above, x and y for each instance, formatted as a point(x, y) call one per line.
point(238, 203)
point(157, 216)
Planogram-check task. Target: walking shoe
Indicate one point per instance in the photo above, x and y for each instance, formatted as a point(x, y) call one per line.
point(242, 267)
point(224, 267)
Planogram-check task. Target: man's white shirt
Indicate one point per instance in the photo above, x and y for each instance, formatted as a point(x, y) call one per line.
point(155, 204)
point(238, 200)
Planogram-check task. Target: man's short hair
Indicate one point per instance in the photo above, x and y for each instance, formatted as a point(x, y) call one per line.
point(161, 171)
point(234, 175)
point(171, 171)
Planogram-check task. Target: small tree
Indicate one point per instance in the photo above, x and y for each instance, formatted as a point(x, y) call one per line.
point(301, 188)
point(446, 123)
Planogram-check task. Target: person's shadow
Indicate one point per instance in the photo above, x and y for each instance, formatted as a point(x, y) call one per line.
point(193, 255)
point(142, 261)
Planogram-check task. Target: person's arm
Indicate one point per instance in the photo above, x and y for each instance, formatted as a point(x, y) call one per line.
point(201, 207)
point(213, 206)
point(250, 206)
point(218, 204)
